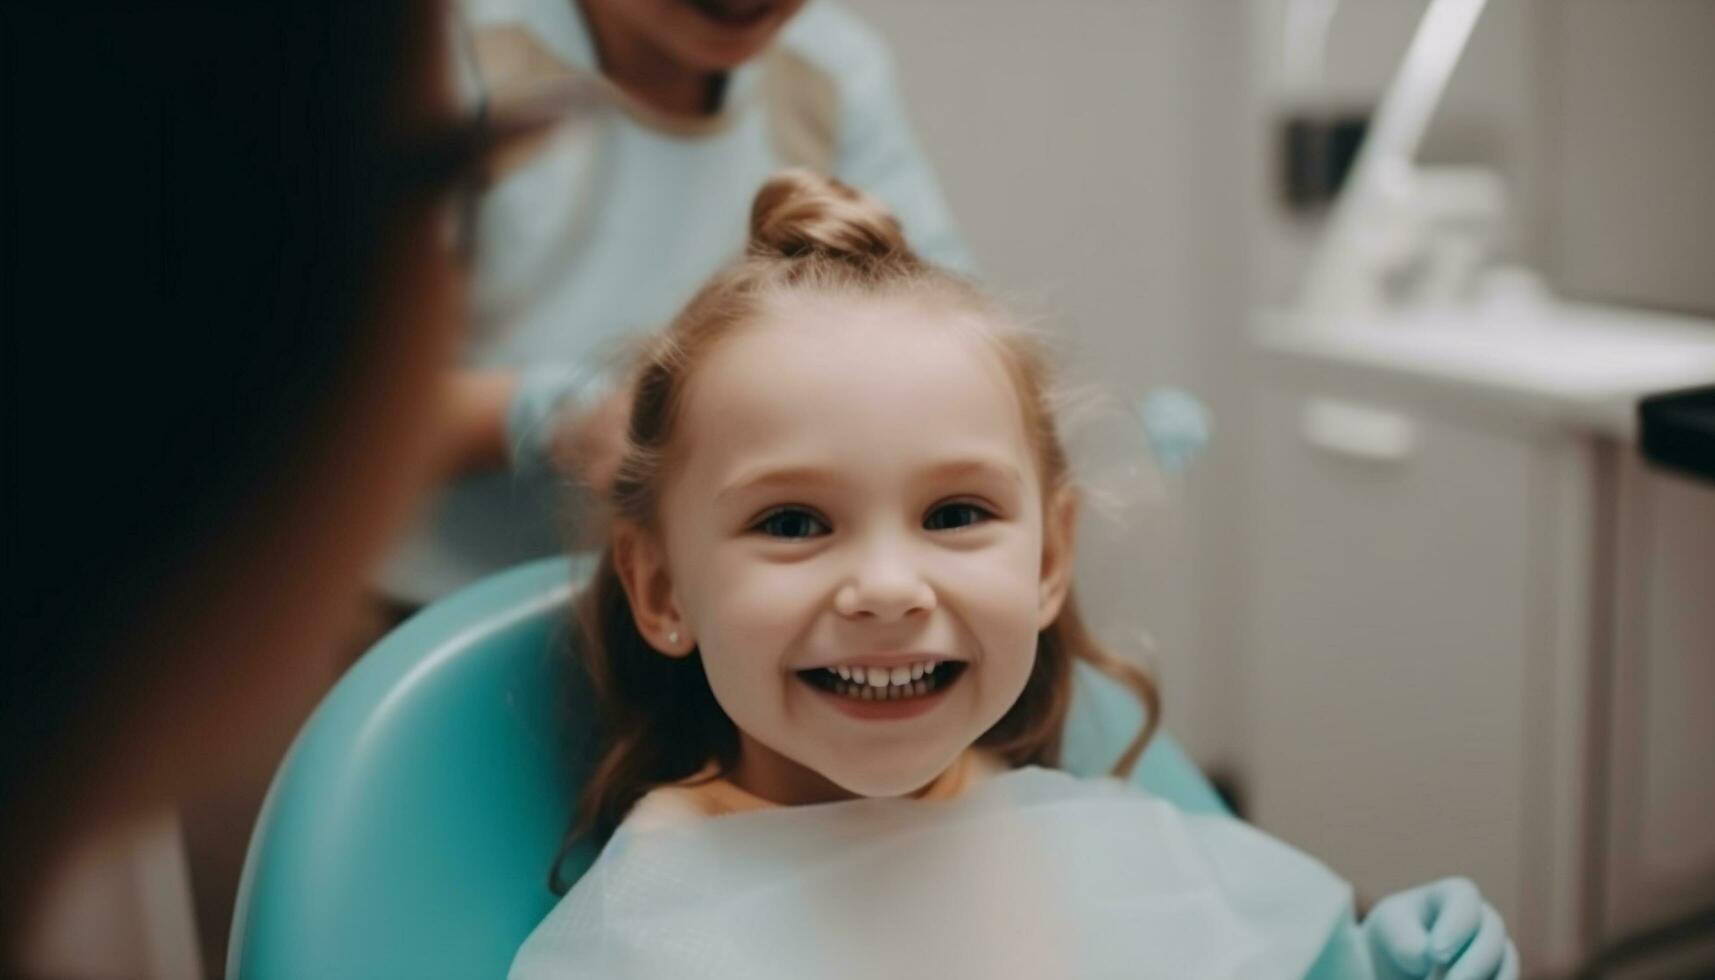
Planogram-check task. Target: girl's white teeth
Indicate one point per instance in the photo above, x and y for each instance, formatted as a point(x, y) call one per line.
point(885, 677)
point(865, 690)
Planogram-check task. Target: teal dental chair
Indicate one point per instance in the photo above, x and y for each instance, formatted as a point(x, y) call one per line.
point(409, 832)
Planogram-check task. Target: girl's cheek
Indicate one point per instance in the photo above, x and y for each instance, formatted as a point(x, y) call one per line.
point(1005, 597)
point(1000, 576)
point(763, 602)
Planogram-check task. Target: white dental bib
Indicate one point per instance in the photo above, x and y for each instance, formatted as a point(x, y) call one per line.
point(1035, 874)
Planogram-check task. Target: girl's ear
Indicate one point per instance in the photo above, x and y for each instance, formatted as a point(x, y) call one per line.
point(641, 563)
point(1059, 536)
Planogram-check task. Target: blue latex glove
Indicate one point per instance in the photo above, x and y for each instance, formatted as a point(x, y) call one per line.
point(1177, 426)
point(547, 392)
point(1443, 930)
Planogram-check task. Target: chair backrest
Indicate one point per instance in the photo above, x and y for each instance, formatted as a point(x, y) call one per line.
point(410, 830)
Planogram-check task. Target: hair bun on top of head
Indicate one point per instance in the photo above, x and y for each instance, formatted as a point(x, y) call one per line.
point(800, 213)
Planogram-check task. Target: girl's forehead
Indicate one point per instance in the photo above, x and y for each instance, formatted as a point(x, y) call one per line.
point(859, 377)
point(883, 335)
point(851, 358)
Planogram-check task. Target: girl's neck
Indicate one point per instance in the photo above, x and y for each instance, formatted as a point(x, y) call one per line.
point(770, 776)
point(646, 71)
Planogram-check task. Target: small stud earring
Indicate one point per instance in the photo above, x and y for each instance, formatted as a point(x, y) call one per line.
point(673, 637)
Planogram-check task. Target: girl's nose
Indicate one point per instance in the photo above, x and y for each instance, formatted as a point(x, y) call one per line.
point(886, 587)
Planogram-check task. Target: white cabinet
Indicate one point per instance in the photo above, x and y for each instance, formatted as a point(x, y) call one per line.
point(1660, 764)
point(1481, 637)
point(1403, 650)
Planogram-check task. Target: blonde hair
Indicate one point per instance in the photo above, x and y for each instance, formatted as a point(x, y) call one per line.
point(808, 234)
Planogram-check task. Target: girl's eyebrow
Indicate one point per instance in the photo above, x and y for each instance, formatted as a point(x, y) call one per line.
point(976, 467)
point(785, 476)
point(952, 469)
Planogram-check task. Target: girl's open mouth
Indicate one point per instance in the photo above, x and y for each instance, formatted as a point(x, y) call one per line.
point(882, 692)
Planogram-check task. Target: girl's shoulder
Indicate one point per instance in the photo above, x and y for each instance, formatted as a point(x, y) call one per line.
point(689, 801)
point(664, 808)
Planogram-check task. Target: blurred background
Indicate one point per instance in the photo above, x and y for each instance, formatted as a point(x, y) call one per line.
point(1422, 607)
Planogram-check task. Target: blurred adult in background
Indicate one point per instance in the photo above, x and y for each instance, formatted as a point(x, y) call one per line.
point(230, 302)
point(602, 229)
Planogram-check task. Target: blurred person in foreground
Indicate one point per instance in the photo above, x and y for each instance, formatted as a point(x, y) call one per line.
point(230, 301)
point(596, 233)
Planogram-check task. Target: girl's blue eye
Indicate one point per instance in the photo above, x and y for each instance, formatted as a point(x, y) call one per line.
point(951, 517)
point(790, 522)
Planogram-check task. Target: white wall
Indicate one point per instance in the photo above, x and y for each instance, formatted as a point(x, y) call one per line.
point(1633, 152)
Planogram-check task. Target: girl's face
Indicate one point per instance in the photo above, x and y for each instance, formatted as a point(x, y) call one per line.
point(853, 537)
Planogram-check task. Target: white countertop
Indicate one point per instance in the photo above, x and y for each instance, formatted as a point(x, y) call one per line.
point(1571, 363)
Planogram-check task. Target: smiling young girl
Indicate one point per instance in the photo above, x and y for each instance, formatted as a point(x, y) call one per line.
point(833, 638)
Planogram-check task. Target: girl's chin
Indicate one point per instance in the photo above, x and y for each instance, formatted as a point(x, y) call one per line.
point(887, 782)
